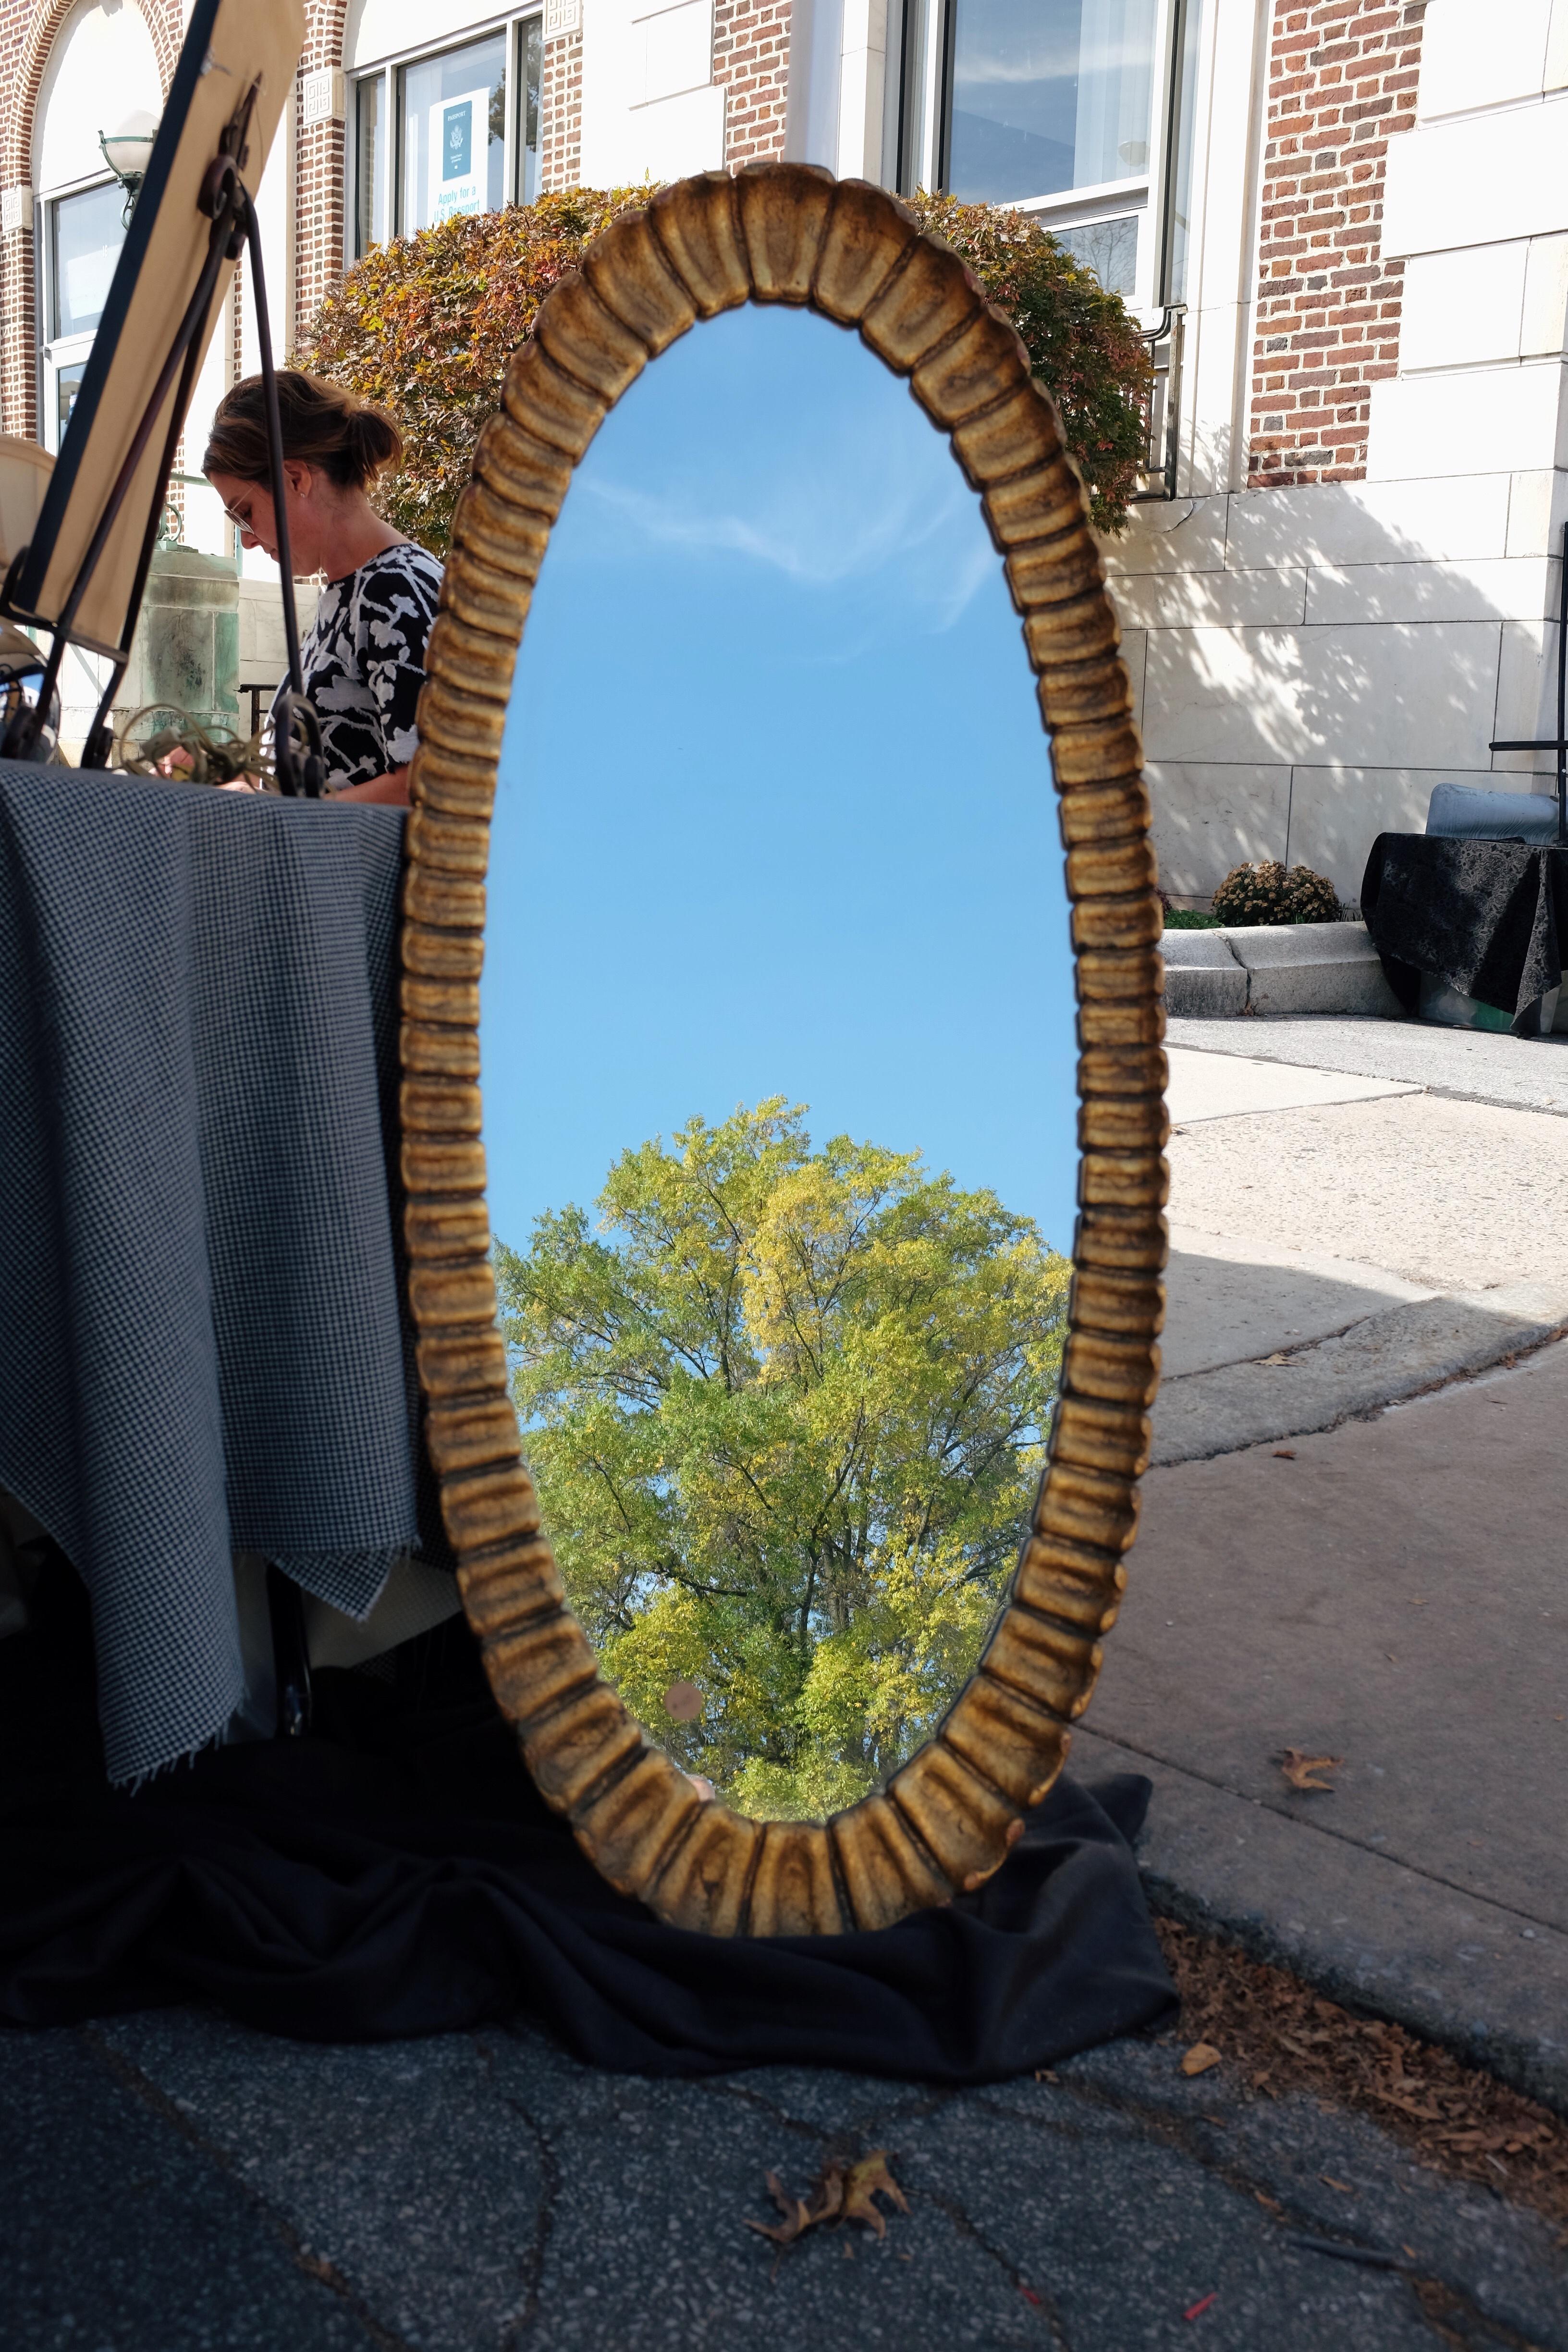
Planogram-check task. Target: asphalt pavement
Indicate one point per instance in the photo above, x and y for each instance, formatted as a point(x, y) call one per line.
point(170, 2184)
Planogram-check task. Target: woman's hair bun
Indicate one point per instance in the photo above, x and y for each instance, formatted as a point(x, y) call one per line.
point(376, 439)
point(323, 425)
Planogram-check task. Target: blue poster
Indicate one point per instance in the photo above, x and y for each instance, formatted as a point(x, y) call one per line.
point(458, 139)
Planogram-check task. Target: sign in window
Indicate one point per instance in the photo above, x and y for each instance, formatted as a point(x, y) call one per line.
point(453, 134)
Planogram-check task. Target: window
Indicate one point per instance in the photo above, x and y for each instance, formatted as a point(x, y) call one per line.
point(86, 232)
point(441, 136)
point(451, 135)
point(369, 173)
point(1047, 95)
point(83, 233)
point(1064, 107)
point(1109, 248)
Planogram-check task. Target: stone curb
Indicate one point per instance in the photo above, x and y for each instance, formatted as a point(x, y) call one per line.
point(1482, 1980)
point(1275, 968)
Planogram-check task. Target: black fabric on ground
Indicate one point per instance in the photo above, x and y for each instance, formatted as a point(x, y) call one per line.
point(1490, 917)
point(396, 1874)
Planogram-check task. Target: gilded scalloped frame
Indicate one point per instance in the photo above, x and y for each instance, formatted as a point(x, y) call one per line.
point(789, 233)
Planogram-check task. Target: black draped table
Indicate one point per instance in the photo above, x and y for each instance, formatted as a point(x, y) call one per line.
point(1489, 918)
point(202, 1348)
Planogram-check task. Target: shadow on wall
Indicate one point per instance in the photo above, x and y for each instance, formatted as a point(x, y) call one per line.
point(1309, 663)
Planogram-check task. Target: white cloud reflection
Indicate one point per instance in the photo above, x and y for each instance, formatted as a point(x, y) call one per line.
point(838, 500)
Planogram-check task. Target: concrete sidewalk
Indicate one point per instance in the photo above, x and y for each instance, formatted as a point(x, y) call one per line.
point(1381, 1579)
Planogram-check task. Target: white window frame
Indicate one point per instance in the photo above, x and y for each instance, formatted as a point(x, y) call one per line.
point(57, 353)
point(513, 24)
point(1136, 197)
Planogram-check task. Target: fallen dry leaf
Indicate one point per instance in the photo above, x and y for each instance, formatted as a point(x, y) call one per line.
point(1278, 2036)
point(796, 2217)
point(1330, 2182)
point(841, 2193)
point(865, 2180)
point(1278, 1357)
point(1200, 2058)
point(1300, 1770)
point(1283, 1453)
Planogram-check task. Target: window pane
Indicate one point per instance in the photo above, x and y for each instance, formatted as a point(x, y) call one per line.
point(527, 142)
point(1178, 168)
point(88, 231)
point(68, 384)
point(1109, 248)
point(369, 185)
point(452, 134)
point(1049, 94)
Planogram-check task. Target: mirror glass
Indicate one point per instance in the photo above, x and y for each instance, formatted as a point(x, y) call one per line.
point(777, 1057)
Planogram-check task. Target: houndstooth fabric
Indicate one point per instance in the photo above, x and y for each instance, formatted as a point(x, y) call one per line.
point(201, 1340)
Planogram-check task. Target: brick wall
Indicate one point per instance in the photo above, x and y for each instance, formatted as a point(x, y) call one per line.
point(561, 113)
point(1342, 77)
point(319, 158)
point(27, 34)
point(750, 57)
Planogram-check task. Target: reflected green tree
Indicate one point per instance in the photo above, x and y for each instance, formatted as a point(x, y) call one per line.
point(787, 1408)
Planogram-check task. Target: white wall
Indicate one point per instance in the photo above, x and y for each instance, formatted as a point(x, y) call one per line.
point(378, 29)
point(102, 69)
point(651, 109)
point(1310, 662)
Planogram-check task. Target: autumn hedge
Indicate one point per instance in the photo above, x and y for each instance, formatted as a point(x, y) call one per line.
point(424, 325)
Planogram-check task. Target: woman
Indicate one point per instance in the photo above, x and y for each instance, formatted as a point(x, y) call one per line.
point(363, 659)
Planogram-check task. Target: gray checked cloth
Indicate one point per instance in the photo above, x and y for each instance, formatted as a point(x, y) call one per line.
point(202, 1342)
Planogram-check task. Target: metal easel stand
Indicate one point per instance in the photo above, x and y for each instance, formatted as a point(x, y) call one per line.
point(227, 202)
point(1558, 742)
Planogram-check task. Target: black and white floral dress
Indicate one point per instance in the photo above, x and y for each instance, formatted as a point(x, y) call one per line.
point(363, 662)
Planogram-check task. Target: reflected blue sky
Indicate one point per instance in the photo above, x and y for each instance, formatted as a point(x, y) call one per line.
point(775, 813)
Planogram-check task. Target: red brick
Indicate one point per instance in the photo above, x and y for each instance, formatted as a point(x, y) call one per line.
point(1340, 81)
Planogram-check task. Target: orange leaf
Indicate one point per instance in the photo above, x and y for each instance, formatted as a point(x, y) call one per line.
point(1300, 1770)
point(1200, 2058)
point(866, 2180)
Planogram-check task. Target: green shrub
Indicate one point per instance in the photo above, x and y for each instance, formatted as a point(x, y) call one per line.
point(1188, 918)
point(424, 326)
point(1265, 893)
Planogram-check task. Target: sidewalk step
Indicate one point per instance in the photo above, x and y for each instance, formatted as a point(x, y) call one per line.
point(1401, 1352)
point(1364, 1928)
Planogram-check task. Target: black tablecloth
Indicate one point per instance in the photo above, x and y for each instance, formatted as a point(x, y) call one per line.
point(1490, 917)
point(396, 1874)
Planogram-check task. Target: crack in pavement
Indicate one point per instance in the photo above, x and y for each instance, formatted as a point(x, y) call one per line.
point(158, 2103)
point(1431, 2293)
point(518, 2325)
point(1024, 2289)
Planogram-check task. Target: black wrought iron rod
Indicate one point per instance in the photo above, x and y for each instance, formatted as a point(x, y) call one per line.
point(194, 312)
point(274, 445)
point(99, 741)
point(22, 741)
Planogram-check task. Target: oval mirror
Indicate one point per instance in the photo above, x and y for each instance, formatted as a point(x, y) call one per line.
point(780, 1087)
